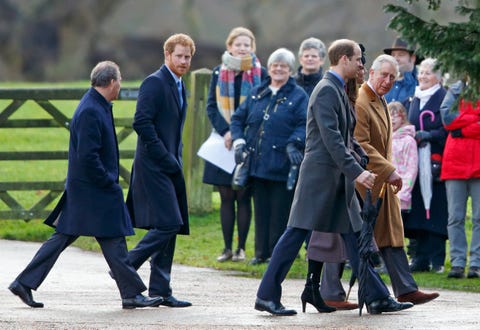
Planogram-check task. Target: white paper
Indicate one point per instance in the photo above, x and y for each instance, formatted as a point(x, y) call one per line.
point(213, 150)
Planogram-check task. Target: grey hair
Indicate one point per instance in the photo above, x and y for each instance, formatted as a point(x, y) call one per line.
point(377, 63)
point(282, 55)
point(103, 73)
point(313, 43)
point(431, 63)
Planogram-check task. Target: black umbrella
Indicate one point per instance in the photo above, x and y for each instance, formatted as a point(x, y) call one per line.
point(354, 275)
point(365, 242)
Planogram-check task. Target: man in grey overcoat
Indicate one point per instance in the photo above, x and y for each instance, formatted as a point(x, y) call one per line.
point(324, 197)
point(92, 204)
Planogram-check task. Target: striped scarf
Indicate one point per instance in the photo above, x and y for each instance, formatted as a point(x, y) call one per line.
point(225, 90)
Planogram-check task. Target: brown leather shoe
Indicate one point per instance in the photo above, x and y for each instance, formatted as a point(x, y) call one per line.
point(341, 305)
point(417, 297)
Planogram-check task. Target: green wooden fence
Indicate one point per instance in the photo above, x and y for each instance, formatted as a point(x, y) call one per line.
point(56, 117)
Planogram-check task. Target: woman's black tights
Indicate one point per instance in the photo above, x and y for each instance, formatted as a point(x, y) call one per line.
point(228, 199)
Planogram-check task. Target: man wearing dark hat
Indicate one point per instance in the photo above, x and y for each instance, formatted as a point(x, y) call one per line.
point(404, 87)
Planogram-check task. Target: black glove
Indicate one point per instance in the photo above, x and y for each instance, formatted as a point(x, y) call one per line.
point(240, 153)
point(364, 162)
point(456, 133)
point(294, 155)
point(422, 137)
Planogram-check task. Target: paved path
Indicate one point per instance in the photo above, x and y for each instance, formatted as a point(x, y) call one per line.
point(79, 294)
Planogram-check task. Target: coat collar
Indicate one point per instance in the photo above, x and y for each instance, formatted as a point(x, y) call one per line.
point(309, 78)
point(265, 90)
point(338, 84)
point(100, 99)
point(168, 75)
point(330, 76)
point(379, 105)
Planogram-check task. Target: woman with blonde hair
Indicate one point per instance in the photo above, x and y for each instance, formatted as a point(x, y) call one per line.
point(231, 82)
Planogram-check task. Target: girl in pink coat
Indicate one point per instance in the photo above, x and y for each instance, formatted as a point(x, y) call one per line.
point(405, 154)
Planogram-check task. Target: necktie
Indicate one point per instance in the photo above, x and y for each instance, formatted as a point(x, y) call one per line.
point(179, 88)
point(384, 103)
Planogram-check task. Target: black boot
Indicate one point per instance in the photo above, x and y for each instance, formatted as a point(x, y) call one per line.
point(311, 293)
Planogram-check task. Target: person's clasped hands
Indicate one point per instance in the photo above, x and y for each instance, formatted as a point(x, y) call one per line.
point(294, 155)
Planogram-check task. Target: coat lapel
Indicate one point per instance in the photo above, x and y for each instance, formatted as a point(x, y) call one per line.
point(173, 88)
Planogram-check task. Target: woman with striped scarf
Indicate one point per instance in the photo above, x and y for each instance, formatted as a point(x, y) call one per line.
point(231, 82)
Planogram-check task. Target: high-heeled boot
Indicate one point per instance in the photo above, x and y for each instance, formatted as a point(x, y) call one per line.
point(311, 295)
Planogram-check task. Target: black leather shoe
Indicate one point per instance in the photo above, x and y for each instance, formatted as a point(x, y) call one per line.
point(269, 306)
point(171, 301)
point(24, 293)
point(141, 301)
point(387, 305)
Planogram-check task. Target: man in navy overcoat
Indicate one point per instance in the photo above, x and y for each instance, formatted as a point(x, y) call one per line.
point(92, 204)
point(157, 198)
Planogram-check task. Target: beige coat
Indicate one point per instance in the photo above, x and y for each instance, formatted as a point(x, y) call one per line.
point(374, 133)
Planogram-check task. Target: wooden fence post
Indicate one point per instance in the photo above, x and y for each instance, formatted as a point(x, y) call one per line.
point(196, 130)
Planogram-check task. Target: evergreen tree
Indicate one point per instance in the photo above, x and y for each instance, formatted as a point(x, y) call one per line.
point(456, 46)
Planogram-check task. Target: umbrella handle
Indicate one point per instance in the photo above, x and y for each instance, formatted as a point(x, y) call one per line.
point(426, 112)
point(428, 213)
point(382, 191)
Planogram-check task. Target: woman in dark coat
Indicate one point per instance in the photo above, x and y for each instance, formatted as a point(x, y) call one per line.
point(270, 124)
point(430, 234)
point(231, 82)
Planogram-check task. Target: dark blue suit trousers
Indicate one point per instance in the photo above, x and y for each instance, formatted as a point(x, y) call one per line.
point(114, 250)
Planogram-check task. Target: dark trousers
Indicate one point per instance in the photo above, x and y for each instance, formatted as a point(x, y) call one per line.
point(396, 262)
point(431, 249)
point(285, 253)
point(272, 202)
point(114, 251)
point(331, 287)
point(159, 245)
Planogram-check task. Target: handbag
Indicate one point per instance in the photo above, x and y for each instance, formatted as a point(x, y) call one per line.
point(241, 174)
